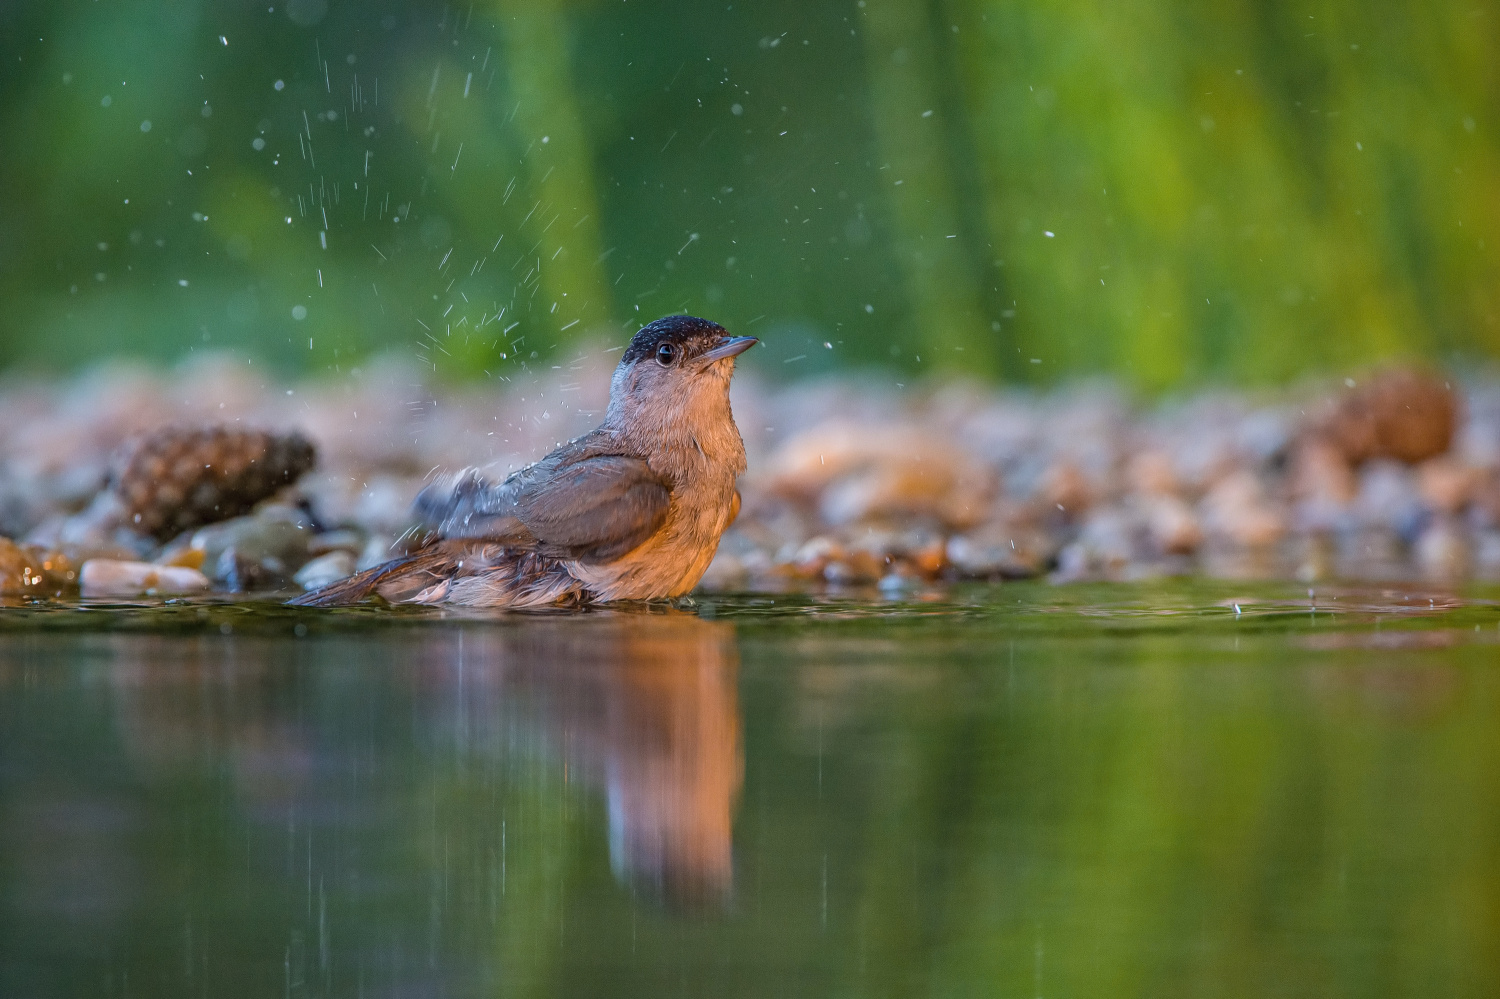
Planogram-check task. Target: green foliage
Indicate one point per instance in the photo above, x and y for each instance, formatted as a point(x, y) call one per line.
point(1245, 189)
point(1233, 190)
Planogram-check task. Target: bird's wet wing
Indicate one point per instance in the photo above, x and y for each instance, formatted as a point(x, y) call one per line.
point(595, 508)
point(584, 500)
point(474, 507)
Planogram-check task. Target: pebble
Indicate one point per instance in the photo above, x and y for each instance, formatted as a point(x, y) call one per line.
point(1172, 525)
point(1107, 546)
point(260, 551)
point(1389, 500)
point(1443, 551)
point(1446, 485)
point(811, 558)
point(861, 474)
point(19, 572)
point(344, 539)
point(325, 569)
point(34, 571)
point(1238, 511)
point(110, 578)
point(979, 557)
point(379, 548)
point(854, 568)
point(15, 568)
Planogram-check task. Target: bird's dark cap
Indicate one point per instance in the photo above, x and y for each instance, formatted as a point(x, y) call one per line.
point(695, 336)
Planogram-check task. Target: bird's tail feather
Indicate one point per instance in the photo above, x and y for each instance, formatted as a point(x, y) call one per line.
point(414, 572)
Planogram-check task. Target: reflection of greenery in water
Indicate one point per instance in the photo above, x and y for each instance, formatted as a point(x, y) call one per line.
point(1160, 190)
point(1009, 799)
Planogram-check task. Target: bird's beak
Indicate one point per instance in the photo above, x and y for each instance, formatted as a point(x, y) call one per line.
point(729, 346)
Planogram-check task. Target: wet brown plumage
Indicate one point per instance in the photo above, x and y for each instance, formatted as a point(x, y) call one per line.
point(633, 510)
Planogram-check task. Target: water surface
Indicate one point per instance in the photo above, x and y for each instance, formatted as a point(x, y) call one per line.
point(1017, 790)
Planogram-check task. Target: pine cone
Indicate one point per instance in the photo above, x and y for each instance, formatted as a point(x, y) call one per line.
point(177, 479)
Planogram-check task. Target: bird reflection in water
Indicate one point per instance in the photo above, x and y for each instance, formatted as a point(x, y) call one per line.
point(647, 706)
point(640, 707)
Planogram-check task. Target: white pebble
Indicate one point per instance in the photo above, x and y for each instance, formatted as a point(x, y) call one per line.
point(105, 577)
point(325, 569)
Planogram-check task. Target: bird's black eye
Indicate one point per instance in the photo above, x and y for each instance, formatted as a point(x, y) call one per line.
point(666, 354)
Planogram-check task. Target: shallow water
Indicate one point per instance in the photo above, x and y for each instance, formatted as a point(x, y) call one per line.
point(1017, 790)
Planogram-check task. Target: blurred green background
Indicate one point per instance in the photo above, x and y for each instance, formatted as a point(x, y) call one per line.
point(1168, 191)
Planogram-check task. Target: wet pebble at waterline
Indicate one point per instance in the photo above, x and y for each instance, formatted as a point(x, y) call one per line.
point(124, 482)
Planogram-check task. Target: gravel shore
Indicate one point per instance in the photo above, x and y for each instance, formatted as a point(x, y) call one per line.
point(1391, 475)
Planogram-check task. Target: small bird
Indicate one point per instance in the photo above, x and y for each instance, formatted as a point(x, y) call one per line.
point(632, 511)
